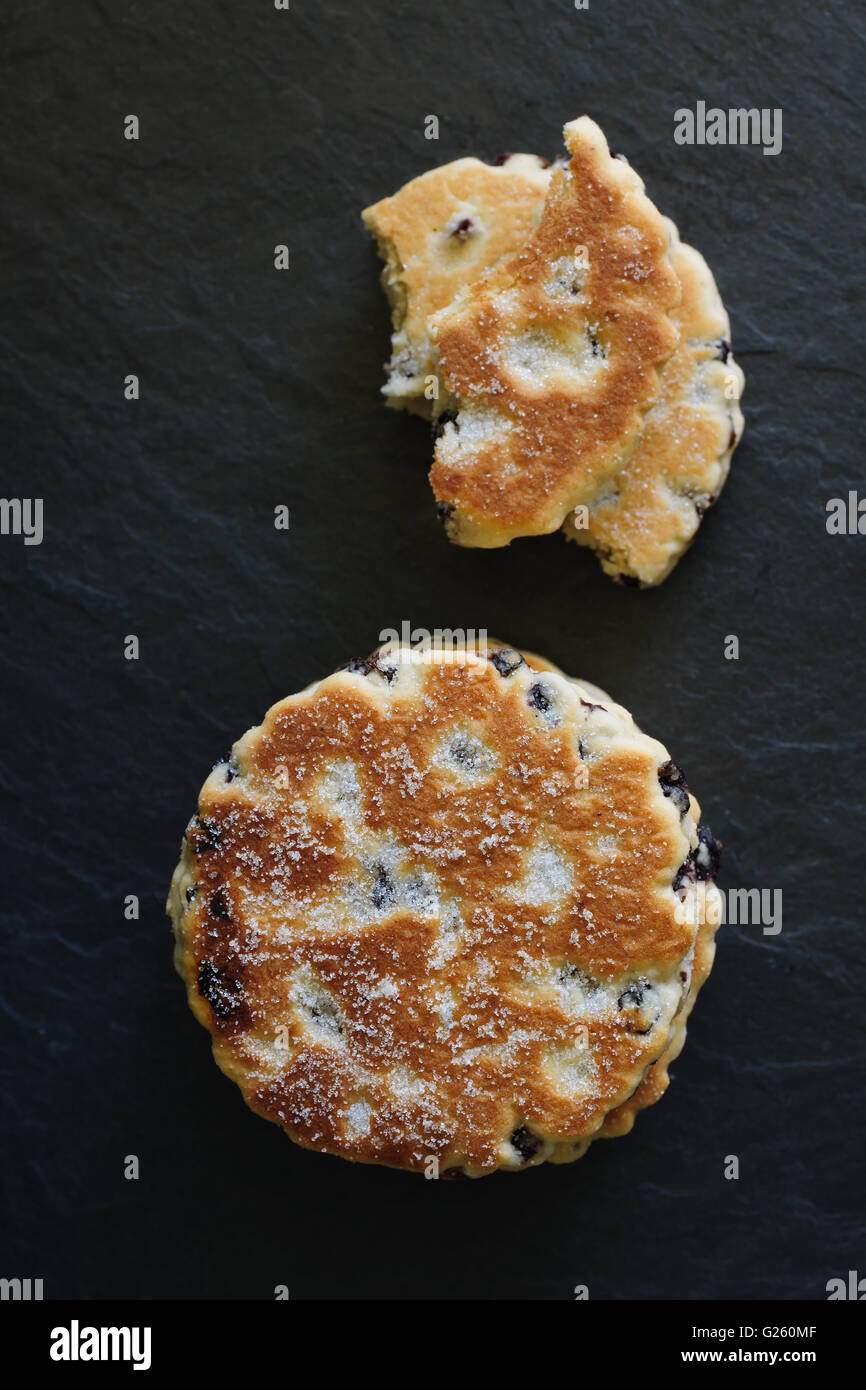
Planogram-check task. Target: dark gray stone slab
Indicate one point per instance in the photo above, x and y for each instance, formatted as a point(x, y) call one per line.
point(155, 258)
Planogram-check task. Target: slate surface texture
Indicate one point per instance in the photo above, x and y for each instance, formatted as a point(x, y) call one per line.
point(260, 388)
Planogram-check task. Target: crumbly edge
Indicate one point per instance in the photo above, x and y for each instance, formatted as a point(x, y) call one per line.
point(618, 561)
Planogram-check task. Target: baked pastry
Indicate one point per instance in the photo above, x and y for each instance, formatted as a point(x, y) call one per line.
point(550, 362)
point(646, 514)
point(441, 911)
point(440, 233)
point(649, 513)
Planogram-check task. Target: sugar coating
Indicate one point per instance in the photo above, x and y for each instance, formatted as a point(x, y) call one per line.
point(417, 932)
point(641, 518)
point(443, 229)
point(568, 360)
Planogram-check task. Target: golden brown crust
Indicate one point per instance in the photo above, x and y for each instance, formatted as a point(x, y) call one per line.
point(553, 360)
point(417, 934)
point(704, 904)
point(641, 520)
point(441, 231)
point(657, 1078)
point(679, 466)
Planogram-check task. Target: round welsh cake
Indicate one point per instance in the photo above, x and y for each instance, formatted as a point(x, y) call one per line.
point(446, 911)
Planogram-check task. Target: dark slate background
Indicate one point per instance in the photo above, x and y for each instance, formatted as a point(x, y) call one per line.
point(258, 388)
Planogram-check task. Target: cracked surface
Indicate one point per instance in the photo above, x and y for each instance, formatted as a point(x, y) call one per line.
point(653, 511)
point(552, 358)
point(642, 519)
